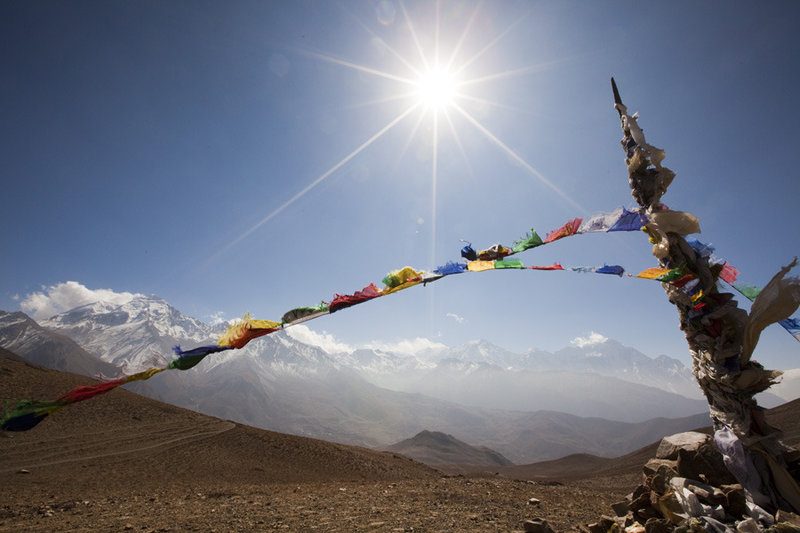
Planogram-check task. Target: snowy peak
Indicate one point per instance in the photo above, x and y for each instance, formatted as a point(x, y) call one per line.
point(482, 351)
point(137, 334)
point(149, 311)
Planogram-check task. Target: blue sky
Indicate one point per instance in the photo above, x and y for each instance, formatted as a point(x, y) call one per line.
point(238, 157)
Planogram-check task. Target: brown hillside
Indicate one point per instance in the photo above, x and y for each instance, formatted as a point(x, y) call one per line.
point(122, 462)
point(122, 429)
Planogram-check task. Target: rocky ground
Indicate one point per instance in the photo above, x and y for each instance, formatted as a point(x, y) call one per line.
point(434, 504)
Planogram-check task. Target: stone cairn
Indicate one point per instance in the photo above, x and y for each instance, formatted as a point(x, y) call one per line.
point(688, 488)
point(743, 479)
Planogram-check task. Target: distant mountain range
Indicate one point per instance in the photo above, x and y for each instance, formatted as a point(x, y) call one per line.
point(605, 358)
point(600, 399)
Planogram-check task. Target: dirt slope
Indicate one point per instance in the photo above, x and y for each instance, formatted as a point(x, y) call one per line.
point(122, 462)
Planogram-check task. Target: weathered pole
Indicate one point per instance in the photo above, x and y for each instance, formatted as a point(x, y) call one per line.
point(721, 336)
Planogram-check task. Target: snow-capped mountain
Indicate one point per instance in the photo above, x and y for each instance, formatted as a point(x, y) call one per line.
point(610, 358)
point(607, 358)
point(280, 383)
point(133, 335)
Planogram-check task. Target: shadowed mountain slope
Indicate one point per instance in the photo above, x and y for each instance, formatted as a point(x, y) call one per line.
point(437, 448)
point(580, 466)
point(123, 440)
point(24, 337)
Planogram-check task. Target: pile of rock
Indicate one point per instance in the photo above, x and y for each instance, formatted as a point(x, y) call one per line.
point(687, 488)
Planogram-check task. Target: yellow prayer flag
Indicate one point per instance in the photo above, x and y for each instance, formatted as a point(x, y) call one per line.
point(480, 266)
point(652, 273)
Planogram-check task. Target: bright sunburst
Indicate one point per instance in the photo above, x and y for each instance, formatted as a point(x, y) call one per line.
point(436, 88)
point(432, 88)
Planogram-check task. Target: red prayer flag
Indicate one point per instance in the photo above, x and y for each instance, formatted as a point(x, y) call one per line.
point(570, 228)
point(554, 266)
point(728, 273)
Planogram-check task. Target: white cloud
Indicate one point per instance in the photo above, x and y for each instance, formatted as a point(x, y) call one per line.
point(215, 319)
point(327, 342)
point(331, 345)
point(456, 317)
point(592, 339)
point(65, 296)
point(406, 347)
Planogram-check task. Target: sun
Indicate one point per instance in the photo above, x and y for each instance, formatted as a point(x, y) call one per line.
point(436, 85)
point(436, 88)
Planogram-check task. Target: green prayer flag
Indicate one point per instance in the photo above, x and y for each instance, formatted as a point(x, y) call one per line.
point(508, 263)
point(672, 275)
point(748, 291)
point(531, 240)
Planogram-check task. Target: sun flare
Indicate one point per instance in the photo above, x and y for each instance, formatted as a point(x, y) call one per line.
point(437, 85)
point(436, 88)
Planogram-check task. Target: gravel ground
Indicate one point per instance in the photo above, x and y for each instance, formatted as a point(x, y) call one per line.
point(439, 504)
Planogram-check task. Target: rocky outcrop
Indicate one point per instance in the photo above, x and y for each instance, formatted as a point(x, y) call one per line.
point(687, 487)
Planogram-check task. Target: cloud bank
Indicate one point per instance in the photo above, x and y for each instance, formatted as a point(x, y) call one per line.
point(331, 345)
point(62, 297)
point(325, 341)
point(406, 347)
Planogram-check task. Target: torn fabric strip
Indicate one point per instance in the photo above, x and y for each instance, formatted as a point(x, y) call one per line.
point(570, 228)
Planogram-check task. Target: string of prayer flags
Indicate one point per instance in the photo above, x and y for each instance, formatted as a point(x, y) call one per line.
point(781, 301)
point(27, 414)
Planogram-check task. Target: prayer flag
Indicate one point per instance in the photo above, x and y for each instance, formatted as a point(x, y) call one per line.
point(570, 228)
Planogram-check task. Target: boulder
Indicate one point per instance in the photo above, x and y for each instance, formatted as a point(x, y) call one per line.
point(689, 441)
point(537, 525)
point(705, 463)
